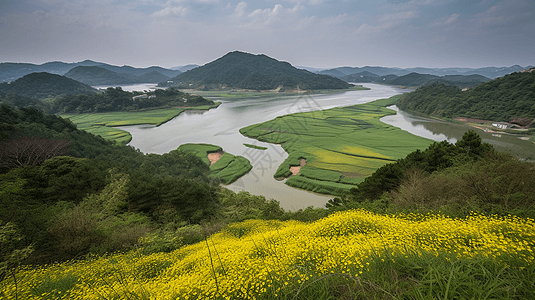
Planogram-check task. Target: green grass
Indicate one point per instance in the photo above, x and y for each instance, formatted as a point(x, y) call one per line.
point(255, 146)
point(102, 123)
point(228, 168)
point(349, 141)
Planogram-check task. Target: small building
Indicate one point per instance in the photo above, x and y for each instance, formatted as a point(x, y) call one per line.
point(501, 125)
point(144, 96)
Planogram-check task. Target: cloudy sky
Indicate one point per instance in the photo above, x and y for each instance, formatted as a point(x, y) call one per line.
point(313, 33)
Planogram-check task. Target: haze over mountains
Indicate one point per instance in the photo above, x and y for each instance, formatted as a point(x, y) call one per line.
point(259, 72)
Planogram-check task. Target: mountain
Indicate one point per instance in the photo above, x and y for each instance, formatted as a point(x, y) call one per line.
point(13, 71)
point(501, 99)
point(45, 85)
point(490, 72)
point(185, 68)
point(97, 75)
point(256, 72)
point(416, 79)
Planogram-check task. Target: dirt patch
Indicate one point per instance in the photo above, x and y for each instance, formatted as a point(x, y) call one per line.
point(471, 120)
point(295, 169)
point(215, 156)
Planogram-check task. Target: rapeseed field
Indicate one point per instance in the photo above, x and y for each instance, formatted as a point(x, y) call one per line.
point(258, 259)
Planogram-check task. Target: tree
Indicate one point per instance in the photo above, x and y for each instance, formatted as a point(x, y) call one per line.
point(30, 151)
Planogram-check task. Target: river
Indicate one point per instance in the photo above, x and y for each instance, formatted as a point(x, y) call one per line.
point(221, 127)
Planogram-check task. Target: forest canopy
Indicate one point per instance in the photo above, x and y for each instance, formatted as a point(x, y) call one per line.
point(511, 96)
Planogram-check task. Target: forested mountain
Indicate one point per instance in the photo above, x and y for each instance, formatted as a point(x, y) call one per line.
point(256, 72)
point(13, 71)
point(416, 79)
point(45, 85)
point(101, 76)
point(511, 96)
point(489, 72)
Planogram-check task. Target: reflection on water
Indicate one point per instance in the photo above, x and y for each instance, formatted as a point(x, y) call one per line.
point(139, 87)
point(439, 131)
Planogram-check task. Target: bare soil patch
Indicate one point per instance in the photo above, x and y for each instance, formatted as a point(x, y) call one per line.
point(295, 169)
point(213, 157)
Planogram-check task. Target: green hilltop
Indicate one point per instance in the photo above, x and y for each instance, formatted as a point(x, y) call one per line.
point(255, 72)
point(511, 96)
point(45, 85)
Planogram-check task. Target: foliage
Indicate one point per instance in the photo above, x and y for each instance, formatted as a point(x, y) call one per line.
point(97, 75)
point(45, 85)
point(438, 156)
point(498, 100)
point(354, 254)
point(254, 72)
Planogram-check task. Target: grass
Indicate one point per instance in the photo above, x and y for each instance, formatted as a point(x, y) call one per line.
point(228, 168)
point(254, 146)
point(103, 123)
point(350, 141)
point(347, 255)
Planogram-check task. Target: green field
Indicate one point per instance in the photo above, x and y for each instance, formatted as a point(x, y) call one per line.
point(255, 146)
point(341, 145)
point(102, 123)
point(227, 169)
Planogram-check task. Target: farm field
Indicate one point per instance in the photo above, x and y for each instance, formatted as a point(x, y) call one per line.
point(227, 167)
point(341, 145)
point(353, 254)
point(103, 123)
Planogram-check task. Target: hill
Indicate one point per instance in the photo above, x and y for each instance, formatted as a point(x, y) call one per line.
point(490, 72)
point(256, 72)
point(45, 85)
point(13, 71)
point(501, 99)
point(96, 75)
point(417, 79)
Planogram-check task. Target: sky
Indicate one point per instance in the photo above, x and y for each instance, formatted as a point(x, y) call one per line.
point(311, 33)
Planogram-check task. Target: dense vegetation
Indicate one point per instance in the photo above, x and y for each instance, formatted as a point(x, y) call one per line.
point(511, 96)
point(115, 99)
point(44, 85)
point(100, 76)
point(254, 72)
point(103, 198)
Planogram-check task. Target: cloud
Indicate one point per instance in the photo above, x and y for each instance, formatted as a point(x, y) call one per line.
point(445, 21)
point(171, 11)
point(240, 9)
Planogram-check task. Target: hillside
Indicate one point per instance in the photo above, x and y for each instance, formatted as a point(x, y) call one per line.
point(45, 85)
point(101, 76)
point(13, 71)
point(256, 72)
point(490, 72)
point(511, 96)
point(417, 79)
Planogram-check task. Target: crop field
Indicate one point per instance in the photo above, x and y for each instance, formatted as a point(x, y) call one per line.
point(103, 123)
point(228, 168)
point(348, 140)
point(362, 254)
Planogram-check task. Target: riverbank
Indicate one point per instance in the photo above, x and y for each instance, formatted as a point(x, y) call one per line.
point(224, 166)
point(341, 145)
point(104, 124)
